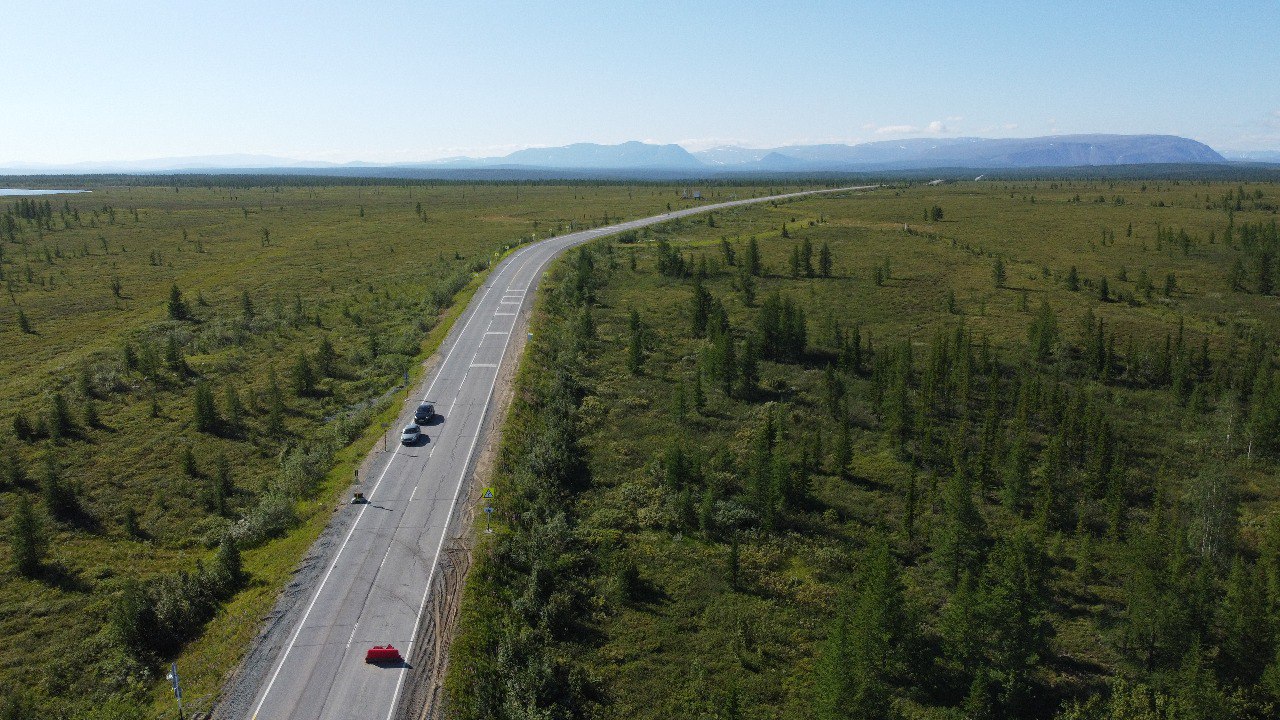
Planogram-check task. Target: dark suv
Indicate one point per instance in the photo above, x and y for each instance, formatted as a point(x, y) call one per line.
point(424, 414)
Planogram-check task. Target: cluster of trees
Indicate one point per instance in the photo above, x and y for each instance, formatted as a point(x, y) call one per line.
point(153, 619)
point(801, 262)
point(1259, 244)
point(32, 211)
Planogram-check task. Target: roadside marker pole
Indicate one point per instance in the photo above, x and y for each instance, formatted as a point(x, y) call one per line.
point(177, 688)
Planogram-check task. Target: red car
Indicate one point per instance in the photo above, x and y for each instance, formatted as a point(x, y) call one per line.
point(383, 654)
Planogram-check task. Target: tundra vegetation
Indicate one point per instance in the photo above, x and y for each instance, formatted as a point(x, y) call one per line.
point(192, 371)
point(1006, 450)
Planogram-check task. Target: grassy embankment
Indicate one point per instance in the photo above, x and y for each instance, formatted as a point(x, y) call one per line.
point(1063, 508)
point(132, 497)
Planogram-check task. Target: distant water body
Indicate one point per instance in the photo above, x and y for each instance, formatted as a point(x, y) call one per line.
point(27, 191)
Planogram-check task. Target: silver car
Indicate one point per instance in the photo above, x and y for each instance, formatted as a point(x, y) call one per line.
point(410, 434)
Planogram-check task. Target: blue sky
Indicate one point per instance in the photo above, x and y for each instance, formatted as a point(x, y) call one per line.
point(393, 81)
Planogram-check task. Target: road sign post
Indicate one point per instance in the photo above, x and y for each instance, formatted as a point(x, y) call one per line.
point(488, 511)
point(176, 682)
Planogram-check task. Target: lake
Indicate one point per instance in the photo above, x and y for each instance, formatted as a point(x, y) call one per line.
point(27, 191)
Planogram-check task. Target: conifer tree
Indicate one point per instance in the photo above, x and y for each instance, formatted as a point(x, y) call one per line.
point(753, 258)
point(60, 424)
point(303, 377)
point(59, 499)
point(635, 343)
point(275, 405)
point(27, 539)
point(747, 285)
point(749, 372)
point(1247, 633)
point(1043, 333)
point(824, 260)
point(864, 653)
point(958, 547)
point(727, 252)
point(326, 358)
point(1013, 493)
point(1013, 602)
point(206, 412)
point(177, 307)
point(998, 275)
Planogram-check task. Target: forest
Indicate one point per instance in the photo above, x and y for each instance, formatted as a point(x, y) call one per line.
point(981, 450)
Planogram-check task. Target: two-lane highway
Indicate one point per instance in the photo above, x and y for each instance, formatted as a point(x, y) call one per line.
point(376, 586)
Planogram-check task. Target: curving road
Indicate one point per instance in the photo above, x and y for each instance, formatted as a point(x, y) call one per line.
point(375, 588)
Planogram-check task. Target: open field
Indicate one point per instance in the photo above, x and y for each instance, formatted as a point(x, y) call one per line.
point(145, 438)
point(953, 476)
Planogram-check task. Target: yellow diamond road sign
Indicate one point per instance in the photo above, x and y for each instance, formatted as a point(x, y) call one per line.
point(487, 494)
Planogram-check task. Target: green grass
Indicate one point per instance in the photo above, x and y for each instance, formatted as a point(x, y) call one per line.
point(361, 264)
point(687, 639)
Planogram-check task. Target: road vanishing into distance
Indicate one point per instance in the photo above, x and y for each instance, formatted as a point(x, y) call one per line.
point(375, 588)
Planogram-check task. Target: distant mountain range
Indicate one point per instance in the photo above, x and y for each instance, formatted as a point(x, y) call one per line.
point(1055, 151)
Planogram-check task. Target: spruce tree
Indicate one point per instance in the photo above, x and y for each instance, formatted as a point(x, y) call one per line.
point(275, 405)
point(1247, 634)
point(247, 311)
point(824, 260)
point(206, 412)
point(27, 540)
point(753, 258)
point(59, 499)
point(326, 358)
point(303, 377)
point(749, 364)
point(864, 653)
point(1013, 603)
point(958, 547)
point(635, 344)
point(842, 452)
point(998, 272)
point(177, 307)
point(60, 424)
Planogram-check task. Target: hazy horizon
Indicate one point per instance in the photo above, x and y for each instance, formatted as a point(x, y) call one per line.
point(393, 82)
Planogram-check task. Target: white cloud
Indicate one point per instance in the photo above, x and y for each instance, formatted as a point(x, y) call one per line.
point(896, 129)
point(936, 127)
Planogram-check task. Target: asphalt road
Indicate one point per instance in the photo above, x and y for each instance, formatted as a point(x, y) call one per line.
point(375, 590)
